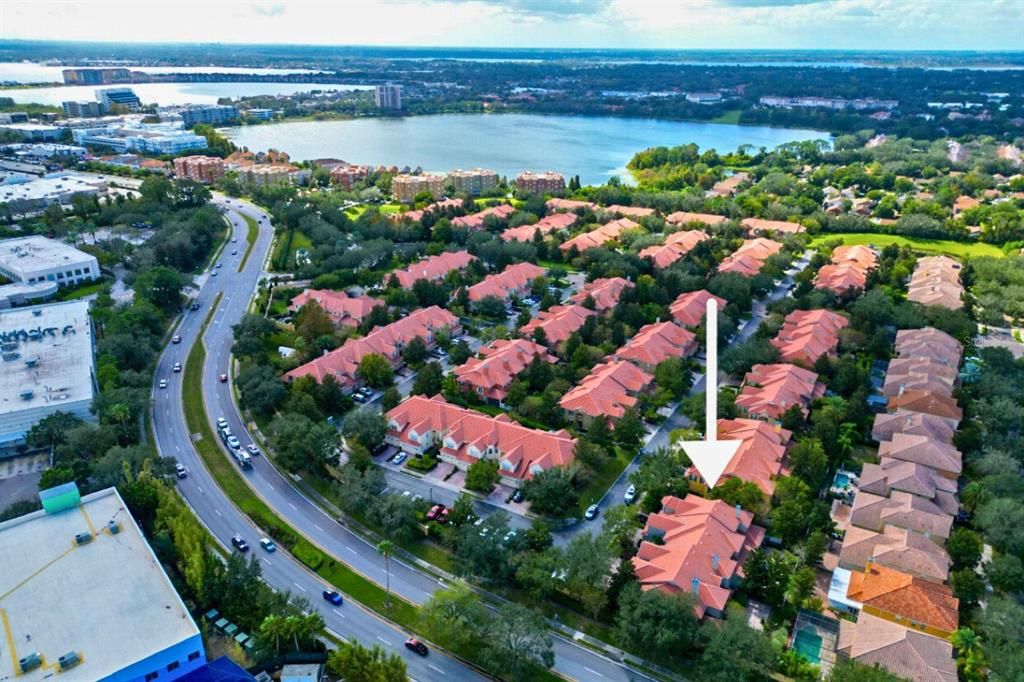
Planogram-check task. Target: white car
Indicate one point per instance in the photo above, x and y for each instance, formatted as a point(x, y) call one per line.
point(233, 443)
point(253, 450)
point(221, 422)
point(630, 494)
point(163, 383)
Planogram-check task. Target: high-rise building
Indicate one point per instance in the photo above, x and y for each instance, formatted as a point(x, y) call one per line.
point(472, 182)
point(96, 76)
point(83, 109)
point(539, 183)
point(389, 97)
point(125, 97)
point(406, 187)
point(215, 114)
point(199, 168)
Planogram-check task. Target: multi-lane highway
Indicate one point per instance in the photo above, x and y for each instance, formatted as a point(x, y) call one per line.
point(224, 520)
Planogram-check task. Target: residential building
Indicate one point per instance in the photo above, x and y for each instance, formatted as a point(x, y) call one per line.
point(914, 603)
point(85, 597)
point(206, 169)
point(406, 187)
point(928, 343)
point(514, 281)
point(13, 116)
point(896, 548)
point(757, 226)
point(690, 308)
point(472, 182)
point(608, 232)
point(546, 225)
point(84, 109)
point(388, 97)
point(604, 292)
point(347, 175)
point(917, 400)
point(48, 365)
point(211, 114)
point(608, 391)
point(770, 390)
point(759, 458)
point(433, 268)
point(676, 245)
point(557, 322)
point(924, 374)
point(502, 361)
point(344, 310)
point(540, 183)
point(476, 220)
point(122, 97)
point(728, 186)
point(269, 174)
point(806, 335)
point(682, 218)
point(942, 457)
point(570, 205)
point(902, 510)
point(657, 342)
point(634, 212)
point(910, 477)
point(38, 266)
point(848, 270)
point(908, 654)
point(701, 547)
point(936, 281)
point(914, 424)
point(750, 257)
point(466, 436)
point(388, 341)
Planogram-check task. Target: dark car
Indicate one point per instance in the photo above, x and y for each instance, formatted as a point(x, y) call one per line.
point(413, 644)
point(518, 495)
point(240, 544)
point(194, 306)
point(333, 597)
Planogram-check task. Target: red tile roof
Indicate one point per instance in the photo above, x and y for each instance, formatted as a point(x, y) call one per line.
point(936, 281)
point(940, 456)
point(704, 545)
point(433, 268)
point(476, 220)
point(750, 257)
point(468, 436)
point(676, 245)
point(684, 218)
point(806, 335)
point(608, 232)
point(916, 400)
point(848, 270)
point(513, 280)
point(759, 226)
point(908, 654)
point(608, 390)
point(558, 322)
point(502, 362)
point(770, 390)
point(605, 291)
point(690, 308)
point(759, 457)
point(903, 595)
point(343, 309)
point(546, 225)
point(655, 343)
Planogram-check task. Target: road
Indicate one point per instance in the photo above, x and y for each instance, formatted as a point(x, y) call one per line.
point(280, 570)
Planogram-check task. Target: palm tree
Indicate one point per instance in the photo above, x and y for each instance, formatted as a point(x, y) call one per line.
point(384, 548)
point(974, 494)
point(272, 628)
point(970, 657)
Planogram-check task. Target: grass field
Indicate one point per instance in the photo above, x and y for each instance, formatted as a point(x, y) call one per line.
point(937, 246)
point(252, 235)
point(729, 117)
point(604, 478)
point(298, 241)
point(81, 292)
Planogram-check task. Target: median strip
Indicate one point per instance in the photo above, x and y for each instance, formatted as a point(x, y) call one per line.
point(252, 236)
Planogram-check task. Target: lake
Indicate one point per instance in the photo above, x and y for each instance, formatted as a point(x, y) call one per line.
point(595, 148)
point(167, 94)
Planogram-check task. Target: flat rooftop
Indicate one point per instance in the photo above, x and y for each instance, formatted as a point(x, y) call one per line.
point(45, 188)
point(36, 252)
point(55, 364)
point(109, 600)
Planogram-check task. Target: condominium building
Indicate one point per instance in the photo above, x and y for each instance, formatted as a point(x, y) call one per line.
point(406, 187)
point(346, 175)
point(472, 182)
point(539, 183)
point(125, 97)
point(264, 175)
point(95, 76)
point(199, 168)
point(83, 109)
point(214, 114)
point(388, 97)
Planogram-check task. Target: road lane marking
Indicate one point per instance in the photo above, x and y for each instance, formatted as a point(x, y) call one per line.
point(271, 486)
point(318, 528)
point(218, 513)
point(293, 506)
point(592, 671)
point(266, 561)
point(200, 489)
point(299, 586)
point(338, 613)
point(351, 549)
point(383, 640)
point(438, 670)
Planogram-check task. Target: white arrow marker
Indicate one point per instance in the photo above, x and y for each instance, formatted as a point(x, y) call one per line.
point(710, 456)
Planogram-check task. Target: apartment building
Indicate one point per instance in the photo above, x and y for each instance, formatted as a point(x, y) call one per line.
point(770, 390)
point(206, 169)
point(406, 187)
point(676, 245)
point(608, 391)
point(605, 292)
point(344, 310)
point(806, 335)
point(513, 281)
point(433, 268)
point(472, 182)
point(388, 97)
point(557, 322)
point(501, 362)
point(540, 183)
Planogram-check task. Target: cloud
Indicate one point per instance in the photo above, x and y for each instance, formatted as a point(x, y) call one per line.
point(269, 9)
point(545, 8)
point(771, 3)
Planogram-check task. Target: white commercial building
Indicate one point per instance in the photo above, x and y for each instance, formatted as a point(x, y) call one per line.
point(83, 597)
point(41, 259)
point(38, 193)
point(131, 136)
point(46, 366)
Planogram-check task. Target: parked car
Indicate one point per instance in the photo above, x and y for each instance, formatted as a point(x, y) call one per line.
point(630, 494)
point(176, 367)
point(219, 265)
point(253, 450)
point(213, 274)
point(240, 544)
point(413, 644)
point(518, 495)
point(222, 423)
point(176, 338)
point(443, 516)
point(358, 397)
point(333, 597)
point(399, 458)
point(434, 512)
point(268, 544)
point(180, 471)
point(163, 383)
point(591, 512)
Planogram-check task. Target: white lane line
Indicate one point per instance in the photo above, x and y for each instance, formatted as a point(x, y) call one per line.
point(299, 586)
point(218, 513)
point(318, 528)
point(338, 613)
point(293, 506)
point(592, 671)
point(383, 640)
point(271, 486)
point(351, 549)
point(266, 561)
point(438, 670)
point(200, 489)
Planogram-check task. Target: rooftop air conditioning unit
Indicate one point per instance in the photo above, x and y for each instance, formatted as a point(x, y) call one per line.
point(83, 538)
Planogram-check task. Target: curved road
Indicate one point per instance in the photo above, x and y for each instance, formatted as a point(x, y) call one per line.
point(280, 570)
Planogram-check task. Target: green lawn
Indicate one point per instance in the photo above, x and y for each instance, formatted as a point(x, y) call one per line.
point(253, 234)
point(729, 117)
point(939, 246)
point(81, 292)
point(392, 208)
point(298, 241)
point(604, 477)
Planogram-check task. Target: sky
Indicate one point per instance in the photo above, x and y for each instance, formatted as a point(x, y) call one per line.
point(671, 24)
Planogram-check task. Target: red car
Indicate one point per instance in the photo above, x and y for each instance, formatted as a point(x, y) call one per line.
point(443, 516)
point(413, 644)
point(434, 512)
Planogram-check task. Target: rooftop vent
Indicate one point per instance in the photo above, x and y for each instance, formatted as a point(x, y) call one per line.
point(113, 527)
point(27, 394)
point(83, 538)
point(30, 662)
point(69, 660)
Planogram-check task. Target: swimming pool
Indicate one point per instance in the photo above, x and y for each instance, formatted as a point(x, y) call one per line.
point(808, 644)
point(842, 480)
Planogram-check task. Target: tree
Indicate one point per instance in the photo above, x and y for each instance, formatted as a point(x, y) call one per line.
point(390, 398)
point(312, 322)
point(629, 430)
point(517, 642)
point(352, 662)
point(746, 494)
point(385, 548)
point(415, 352)
point(808, 461)
point(18, 508)
point(55, 476)
point(375, 370)
point(262, 390)
point(301, 443)
point(482, 475)
point(599, 432)
point(722, 660)
point(620, 527)
point(815, 547)
point(1006, 573)
point(551, 492)
point(800, 586)
point(367, 427)
point(964, 547)
point(396, 516)
point(428, 380)
point(461, 511)
point(455, 616)
point(967, 586)
point(767, 575)
point(970, 658)
point(659, 626)
point(480, 551)
point(737, 360)
point(587, 564)
point(161, 286)
point(1001, 624)
point(848, 670)
point(674, 376)
point(491, 306)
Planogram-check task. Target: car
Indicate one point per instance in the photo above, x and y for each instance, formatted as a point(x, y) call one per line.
point(413, 644)
point(176, 338)
point(233, 443)
point(630, 494)
point(359, 397)
point(399, 458)
point(434, 512)
point(234, 252)
point(176, 367)
point(478, 522)
point(194, 306)
point(441, 352)
point(180, 471)
point(443, 516)
point(163, 383)
point(222, 423)
point(220, 265)
point(518, 495)
point(365, 391)
point(268, 544)
point(213, 274)
point(591, 512)
point(225, 431)
point(223, 378)
point(509, 536)
point(240, 544)
point(234, 239)
point(333, 597)
point(253, 450)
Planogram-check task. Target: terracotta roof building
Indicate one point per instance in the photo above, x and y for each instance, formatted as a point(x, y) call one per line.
point(684, 218)
point(389, 341)
point(476, 220)
point(629, 211)
point(896, 548)
point(433, 268)
point(909, 477)
point(703, 546)
point(609, 390)
point(758, 458)
point(806, 335)
point(901, 598)
point(558, 323)
point(605, 292)
point(344, 310)
point(690, 308)
point(923, 374)
point(502, 361)
point(902, 510)
point(928, 343)
point(546, 225)
point(676, 245)
point(942, 457)
point(769, 390)
point(912, 424)
point(655, 343)
point(908, 654)
point(568, 205)
point(936, 281)
point(916, 400)
point(609, 232)
point(728, 186)
point(467, 436)
point(848, 270)
point(515, 280)
point(757, 226)
point(750, 257)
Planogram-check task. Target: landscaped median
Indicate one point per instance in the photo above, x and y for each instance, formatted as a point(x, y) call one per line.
point(252, 236)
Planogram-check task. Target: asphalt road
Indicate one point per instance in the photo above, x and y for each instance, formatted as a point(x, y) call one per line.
point(280, 570)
